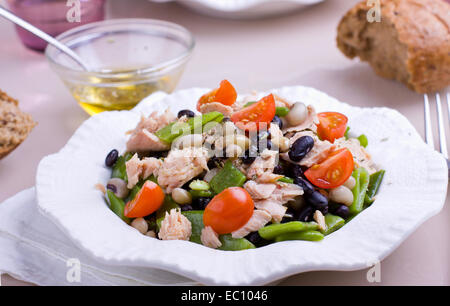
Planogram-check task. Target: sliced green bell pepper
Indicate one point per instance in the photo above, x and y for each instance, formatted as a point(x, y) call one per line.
point(271, 231)
point(176, 129)
point(359, 191)
point(305, 235)
point(363, 140)
point(196, 219)
point(229, 176)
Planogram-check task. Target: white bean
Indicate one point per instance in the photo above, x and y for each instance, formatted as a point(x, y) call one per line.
point(118, 187)
point(233, 151)
point(140, 224)
point(341, 195)
point(284, 144)
point(181, 196)
point(297, 114)
point(350, 183)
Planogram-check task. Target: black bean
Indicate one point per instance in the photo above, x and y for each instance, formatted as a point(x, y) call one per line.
point(186, 112)
point(279, 169)
point(111, 158)
point(248, 158)
point(296, 170)
point(317, 200)
point(256, 239)
point(342, 211)
point(307, 187)
point(157, 154)
point(225, 119)
point(300, 148)
point(186, 207)
point(111, 187)
point(278, 121)
point(289, 215)
point(213, 162)
point(201, 203)
point(306, 214)
point(324, 210)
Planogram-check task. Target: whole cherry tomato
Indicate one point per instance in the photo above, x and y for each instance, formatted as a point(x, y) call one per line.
point(225, 94)
point(333, 171)
point(331, 125)
point(256, 116)
point(229, 210)
point(147, 201)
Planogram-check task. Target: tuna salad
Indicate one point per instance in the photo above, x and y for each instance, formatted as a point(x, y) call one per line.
point(241, 173)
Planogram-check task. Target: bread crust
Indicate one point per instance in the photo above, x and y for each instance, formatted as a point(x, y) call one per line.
point(420, 34)
point(15, 125)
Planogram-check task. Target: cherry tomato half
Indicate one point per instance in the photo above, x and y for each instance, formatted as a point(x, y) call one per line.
point(255, 116)
point(225, 94)
point(333, 171)
point(229, 210)
point(147, 201)
point(331, 125)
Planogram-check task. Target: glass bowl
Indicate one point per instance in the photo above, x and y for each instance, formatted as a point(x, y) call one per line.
point(128, 60)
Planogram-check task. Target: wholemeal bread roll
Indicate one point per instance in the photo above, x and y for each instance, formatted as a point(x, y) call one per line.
point(14, 124)
point(411, 43)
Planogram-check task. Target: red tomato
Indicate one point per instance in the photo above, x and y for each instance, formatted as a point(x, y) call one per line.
point(255, 116)
point(225, 94)
point(229, 210)
point(331, 125)
point(333, 171)
point(147, 201)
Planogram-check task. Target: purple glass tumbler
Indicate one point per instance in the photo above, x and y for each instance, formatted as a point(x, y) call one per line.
point(54, 16)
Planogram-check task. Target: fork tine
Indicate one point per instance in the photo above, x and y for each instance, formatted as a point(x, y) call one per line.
point(428, 131)
point(442, 140)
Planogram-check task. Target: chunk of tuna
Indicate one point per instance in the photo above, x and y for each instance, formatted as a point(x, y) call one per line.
point(180, 166)
point(273, 208)
point(175, 226)
point(309, 123)
point(210, 238)
point(141, 169)
point(259, 191)
point(216, 107)
point(360, 155)
point(257, 220)
point(144, 140)
point(261, 170)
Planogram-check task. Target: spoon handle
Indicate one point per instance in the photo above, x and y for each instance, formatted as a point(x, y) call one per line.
point(29, 27)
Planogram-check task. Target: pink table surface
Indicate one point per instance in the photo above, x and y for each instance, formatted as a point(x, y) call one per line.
point(297, 49)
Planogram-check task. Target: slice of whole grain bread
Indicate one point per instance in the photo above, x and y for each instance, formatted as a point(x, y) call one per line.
point(15, 125)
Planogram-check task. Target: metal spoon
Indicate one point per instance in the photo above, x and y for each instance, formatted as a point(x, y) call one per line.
point(31, 28)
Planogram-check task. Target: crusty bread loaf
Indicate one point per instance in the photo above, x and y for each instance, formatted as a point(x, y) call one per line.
point(410, 44)
point(14, 124)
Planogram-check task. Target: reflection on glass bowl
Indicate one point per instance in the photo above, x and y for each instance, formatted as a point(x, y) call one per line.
point(128, 59)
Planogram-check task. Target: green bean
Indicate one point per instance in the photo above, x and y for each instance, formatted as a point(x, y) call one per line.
point(363, 140)
point(229, 176)
point(359, 191)
point(170, 132)
point(333, 223)
point(117, 205)
point(119, 169)
point(201, 193)
point(199, 185)
point(347, 131)
point(374, 184)
point(286, 179)
point(234, 244)
point(271, 231)
point(281, 111)
point(196, 219)
point(305, 235)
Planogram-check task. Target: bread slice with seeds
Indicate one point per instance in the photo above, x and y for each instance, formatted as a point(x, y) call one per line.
point(15, 125)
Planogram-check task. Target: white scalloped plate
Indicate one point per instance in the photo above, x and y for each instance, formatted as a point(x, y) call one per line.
point(244, 9)
point(414, 189)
